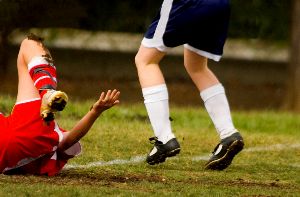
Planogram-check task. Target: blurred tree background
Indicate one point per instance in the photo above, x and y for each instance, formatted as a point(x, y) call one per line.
point(266, 19)
point(261, 19)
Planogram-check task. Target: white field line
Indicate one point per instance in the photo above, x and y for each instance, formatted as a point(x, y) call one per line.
point(132, 160)
point(141, 158)
point(275, 147)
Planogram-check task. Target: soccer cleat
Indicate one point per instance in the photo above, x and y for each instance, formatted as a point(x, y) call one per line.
point(225, 152)
point(52, 102)
point(161, 151)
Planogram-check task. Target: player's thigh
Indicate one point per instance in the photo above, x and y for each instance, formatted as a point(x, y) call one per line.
point(26, 89)
point(146, 56)
point(194, 61)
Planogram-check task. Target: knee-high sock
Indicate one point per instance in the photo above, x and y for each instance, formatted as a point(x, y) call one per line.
point(217, 106)
point(156, 100)
point(43, 74)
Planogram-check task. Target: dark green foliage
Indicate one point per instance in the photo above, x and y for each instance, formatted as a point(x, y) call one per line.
point(116, 15)
point(267, 19)
point(40, 13)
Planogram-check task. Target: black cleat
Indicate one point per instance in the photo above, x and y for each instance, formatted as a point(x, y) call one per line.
point(161, 151)
point(225, 152)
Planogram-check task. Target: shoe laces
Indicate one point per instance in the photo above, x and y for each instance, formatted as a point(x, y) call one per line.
point(154, 140)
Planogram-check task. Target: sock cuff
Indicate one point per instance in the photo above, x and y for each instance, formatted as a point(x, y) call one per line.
point(212, 91)
point(155, 93)
point(36, 61)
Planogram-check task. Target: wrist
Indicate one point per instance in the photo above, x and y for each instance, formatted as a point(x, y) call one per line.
point(94, 111)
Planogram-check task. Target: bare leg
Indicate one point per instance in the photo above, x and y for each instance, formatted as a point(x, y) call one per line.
point(37, 77)
point(147, 63)
point(211, 91)
point(26, 88)
point(154, 91)
point(156, 100)
point(196, 67)
point(216, 104)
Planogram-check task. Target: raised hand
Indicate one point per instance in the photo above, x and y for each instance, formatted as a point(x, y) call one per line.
point(106, 101)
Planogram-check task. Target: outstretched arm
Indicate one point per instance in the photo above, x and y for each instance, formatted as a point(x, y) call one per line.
point(105, 101)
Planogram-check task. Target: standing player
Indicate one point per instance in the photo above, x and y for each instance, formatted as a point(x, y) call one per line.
point(201, 26)
point(31, 142)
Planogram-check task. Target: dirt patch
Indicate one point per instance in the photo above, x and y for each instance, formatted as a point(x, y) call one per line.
point(106, 178)
point(70, 177)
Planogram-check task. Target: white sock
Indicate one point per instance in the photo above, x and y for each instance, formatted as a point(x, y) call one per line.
point(156, 100)
point(217, 106)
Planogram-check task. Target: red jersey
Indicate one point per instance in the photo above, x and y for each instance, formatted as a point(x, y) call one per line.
point(28, 145)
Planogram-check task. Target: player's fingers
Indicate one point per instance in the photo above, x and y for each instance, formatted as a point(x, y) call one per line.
point(114, 92)
point(102, 96)
point(116, 95)
point(111, 96)
point(108, 93)
point(116, 102)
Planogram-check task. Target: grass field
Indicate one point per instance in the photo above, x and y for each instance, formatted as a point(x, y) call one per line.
point(112, 161)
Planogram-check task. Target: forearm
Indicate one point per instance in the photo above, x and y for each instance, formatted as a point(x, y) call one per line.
point(79, 130)
point(104, 102)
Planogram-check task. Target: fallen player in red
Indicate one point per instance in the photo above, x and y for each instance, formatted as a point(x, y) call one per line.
point(31, 142)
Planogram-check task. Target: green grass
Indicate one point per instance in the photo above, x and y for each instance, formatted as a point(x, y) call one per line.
point(268, 166)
